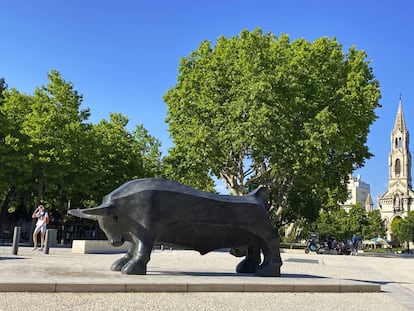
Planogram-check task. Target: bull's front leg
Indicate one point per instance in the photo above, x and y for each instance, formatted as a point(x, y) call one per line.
point(137, 264)
point(120, 263)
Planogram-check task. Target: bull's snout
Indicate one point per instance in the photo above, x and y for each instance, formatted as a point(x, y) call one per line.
point(117, 242)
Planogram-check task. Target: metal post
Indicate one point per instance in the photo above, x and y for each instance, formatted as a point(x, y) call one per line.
point(47, 242)
point(16, 239)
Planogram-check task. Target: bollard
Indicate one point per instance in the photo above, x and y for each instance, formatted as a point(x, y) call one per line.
point(47, 242)
point(16, 239)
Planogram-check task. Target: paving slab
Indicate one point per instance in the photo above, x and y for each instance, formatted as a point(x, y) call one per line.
point(175, 271)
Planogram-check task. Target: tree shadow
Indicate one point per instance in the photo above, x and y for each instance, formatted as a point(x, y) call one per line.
point(12, 258)
point(234, 274)
point(302, 276)
point(378, 282)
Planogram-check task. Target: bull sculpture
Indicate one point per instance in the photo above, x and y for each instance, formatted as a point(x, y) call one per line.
point(155, 210)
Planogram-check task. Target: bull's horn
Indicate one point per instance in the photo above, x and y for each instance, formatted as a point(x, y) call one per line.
point(79, 213)
point(91, 213)
point(101, 210)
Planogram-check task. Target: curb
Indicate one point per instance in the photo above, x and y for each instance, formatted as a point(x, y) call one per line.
point(95, 287)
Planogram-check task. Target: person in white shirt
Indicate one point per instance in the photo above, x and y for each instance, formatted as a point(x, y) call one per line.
point(42, 221)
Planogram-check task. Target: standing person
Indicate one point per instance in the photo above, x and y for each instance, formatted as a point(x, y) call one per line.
point(42, 220)
point(356, 240)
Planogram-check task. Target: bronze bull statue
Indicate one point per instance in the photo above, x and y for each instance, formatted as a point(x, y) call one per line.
point(155, 210)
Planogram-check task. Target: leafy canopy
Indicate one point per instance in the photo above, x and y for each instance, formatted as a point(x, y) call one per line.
point(403, 229)
point(257, 109)
point(49, 153)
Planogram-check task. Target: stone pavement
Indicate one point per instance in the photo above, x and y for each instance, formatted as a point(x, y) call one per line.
point(184, 278)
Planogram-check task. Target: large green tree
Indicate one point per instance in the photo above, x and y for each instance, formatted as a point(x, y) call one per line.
point(8, 171)
point(117, 153)
point(357, 220)
point(149, 148)
point(49, 152)
point(332, 224)
point(15, 174)
point(3, 126)
point(375, 226)
point(342, 225)
point(404, 228)
point(257, 109)
point(49, 131)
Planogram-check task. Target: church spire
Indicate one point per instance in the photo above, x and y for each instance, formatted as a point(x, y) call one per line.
point(398, 200)
point(400, 156)
point(399, 120)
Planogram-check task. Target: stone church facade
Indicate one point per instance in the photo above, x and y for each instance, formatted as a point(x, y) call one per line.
point(398, 200)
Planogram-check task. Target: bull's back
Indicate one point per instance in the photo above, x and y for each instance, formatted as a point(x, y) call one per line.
point(166, 199)
point(164, 185)
point(187, 217)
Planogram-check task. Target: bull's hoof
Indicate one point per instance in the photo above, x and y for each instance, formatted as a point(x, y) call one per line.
point(247, 266)
point(272, 269)
point(136, 268)
point(118, 264)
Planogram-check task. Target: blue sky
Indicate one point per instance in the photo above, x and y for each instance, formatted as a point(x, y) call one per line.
point(122, 56)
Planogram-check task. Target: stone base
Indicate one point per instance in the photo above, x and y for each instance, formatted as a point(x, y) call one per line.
point(97, 247)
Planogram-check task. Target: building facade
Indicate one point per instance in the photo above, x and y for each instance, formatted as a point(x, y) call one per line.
point(358, 192)
point(398, 200)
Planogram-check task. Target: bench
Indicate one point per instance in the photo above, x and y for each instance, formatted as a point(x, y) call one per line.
point(97, 247)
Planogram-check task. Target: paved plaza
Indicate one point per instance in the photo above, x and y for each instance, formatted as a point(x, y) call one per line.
point(185, 280)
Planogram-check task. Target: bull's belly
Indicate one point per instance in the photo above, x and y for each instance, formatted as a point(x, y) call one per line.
point(206, 238)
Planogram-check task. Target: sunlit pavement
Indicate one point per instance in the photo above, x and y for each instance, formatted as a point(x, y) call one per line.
point(175, 278)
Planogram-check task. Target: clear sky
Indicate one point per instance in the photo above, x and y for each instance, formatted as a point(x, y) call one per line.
point(122, 56)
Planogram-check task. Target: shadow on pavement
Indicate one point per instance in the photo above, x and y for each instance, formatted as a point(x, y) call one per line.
point(11, 258)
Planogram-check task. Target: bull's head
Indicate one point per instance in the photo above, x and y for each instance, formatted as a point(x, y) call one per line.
point(108, 221)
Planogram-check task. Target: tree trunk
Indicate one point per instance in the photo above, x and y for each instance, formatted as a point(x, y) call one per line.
point(231, 183)
point(40, 188)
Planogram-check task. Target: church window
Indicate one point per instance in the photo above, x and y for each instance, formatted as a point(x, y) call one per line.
point(397, 167)
point(398, 142)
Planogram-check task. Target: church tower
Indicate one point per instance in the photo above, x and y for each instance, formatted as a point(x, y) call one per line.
point(397, 201)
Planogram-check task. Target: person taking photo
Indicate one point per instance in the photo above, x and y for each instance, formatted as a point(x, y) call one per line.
point(41, 224)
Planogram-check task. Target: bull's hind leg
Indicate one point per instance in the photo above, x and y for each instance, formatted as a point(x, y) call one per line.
point(138, 263)
point(272, 260)
point(251, 262)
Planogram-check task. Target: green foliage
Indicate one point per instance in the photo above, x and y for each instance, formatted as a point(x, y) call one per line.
point(119, 154)
point(395, 228)
point(375, 226)
point(44, 131)
point(257, 109)
point(342, 225)
point(177, 167)
point(333, 224)
point(403, 229)
point(51, 154)
point(356, 220)
point(149, 148)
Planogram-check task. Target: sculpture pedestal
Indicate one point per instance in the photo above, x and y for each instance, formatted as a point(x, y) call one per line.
point(97, 247)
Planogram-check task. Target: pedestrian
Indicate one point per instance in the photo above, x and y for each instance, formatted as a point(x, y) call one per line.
point(356, 240)
point(42, 220)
